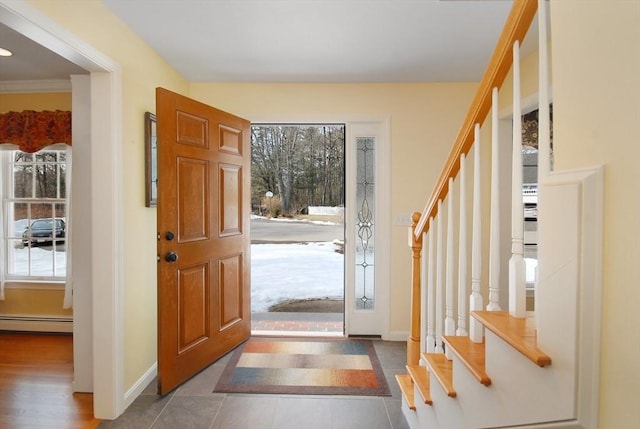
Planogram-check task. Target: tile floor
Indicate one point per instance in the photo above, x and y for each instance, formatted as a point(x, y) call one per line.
point(194, 405)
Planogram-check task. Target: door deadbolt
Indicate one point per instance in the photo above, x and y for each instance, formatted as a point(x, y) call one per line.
point(169, 235)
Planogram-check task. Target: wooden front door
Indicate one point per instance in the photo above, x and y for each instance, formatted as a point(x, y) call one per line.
point(203, 236)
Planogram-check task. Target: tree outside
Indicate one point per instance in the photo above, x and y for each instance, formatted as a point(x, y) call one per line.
point(301, 165)
point(42, 177)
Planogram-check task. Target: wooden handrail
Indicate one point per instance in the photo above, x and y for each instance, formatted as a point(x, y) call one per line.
point(516, 27)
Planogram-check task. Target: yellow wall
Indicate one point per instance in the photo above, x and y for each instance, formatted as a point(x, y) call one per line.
point(425, 119)
point(142, 71)
point(35, 101)
point(34, 299)
point(596, 67)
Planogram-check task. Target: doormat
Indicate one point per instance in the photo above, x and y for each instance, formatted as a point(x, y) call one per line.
point(305, 367)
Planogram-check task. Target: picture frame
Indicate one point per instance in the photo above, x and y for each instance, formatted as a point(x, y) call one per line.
point(151, 159)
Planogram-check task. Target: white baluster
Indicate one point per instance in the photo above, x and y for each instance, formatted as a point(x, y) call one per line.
point(544, 133)
point(431, 303)
point(476, 332)
point(439, 281)
point(462, 251)
point(423, 294)
point(517, 292)
point(494, 239)
point(449, 321)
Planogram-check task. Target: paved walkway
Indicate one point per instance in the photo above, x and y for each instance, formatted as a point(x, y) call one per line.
point(281, 323)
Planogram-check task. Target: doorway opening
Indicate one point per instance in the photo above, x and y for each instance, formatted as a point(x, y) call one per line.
point(530, 133)
point(297, 229)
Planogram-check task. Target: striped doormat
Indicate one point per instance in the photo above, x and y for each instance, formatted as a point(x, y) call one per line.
point(305, 367)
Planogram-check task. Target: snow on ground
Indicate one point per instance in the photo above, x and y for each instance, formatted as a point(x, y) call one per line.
point(281, 272)
point(41, 262)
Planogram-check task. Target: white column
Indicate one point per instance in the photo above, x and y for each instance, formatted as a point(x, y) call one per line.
point(494, 239)
point(544, 134)
point(476, 331)
point(439, 281)
point(431, 303)
point(517, 292)
point(449, 321)
point(462, 251)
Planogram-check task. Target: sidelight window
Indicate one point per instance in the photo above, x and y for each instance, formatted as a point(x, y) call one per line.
point(365, 231)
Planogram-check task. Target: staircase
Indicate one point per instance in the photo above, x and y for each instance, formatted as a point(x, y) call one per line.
point(534, 364)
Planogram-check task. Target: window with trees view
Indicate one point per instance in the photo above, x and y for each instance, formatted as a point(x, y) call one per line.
point(301, 165)
point(34, 190)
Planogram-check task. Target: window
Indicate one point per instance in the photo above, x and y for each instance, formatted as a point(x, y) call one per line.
point(34, 198)
point(365, 227)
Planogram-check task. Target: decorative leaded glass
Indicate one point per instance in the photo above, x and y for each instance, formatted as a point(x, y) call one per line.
point(365, 232)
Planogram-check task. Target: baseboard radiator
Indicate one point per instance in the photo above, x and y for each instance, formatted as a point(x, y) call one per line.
point(36, 324)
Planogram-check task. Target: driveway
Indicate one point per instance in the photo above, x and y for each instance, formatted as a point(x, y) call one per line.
point(291, 231)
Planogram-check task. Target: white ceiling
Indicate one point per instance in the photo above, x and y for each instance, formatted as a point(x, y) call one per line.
point(30, 61)
point(297, 40)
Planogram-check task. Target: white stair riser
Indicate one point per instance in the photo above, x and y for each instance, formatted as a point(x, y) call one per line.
point(533, 393)
point(482, 408)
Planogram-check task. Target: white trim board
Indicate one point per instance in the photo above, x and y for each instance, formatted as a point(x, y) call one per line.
point(139, 386)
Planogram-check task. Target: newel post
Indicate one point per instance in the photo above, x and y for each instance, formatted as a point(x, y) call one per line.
point(413, 342)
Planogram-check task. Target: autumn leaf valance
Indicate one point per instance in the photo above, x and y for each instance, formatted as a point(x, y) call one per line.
point(33, 131)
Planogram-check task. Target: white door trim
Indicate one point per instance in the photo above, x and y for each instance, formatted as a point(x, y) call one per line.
point(106, 189)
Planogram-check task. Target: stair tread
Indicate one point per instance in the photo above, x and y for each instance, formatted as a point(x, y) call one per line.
point(442, 369)
point(471, 354)
point(406, 387)
point(420, 377)
point(520, 333)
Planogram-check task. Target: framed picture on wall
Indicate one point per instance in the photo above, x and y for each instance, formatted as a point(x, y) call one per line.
point(151, 159)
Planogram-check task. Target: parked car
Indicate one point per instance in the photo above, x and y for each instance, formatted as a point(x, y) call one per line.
point(44, 230)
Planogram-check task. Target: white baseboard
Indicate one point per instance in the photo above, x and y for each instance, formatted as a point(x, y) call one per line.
point(569, 424)
point(139, 386)
point(36, 324)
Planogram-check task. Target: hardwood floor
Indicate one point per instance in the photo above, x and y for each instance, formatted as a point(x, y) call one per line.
point(36, 372)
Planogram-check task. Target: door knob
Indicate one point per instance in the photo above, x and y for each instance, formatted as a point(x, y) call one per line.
point(171, 257)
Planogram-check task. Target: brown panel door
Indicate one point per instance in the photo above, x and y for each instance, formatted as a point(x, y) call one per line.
point(204, 307)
